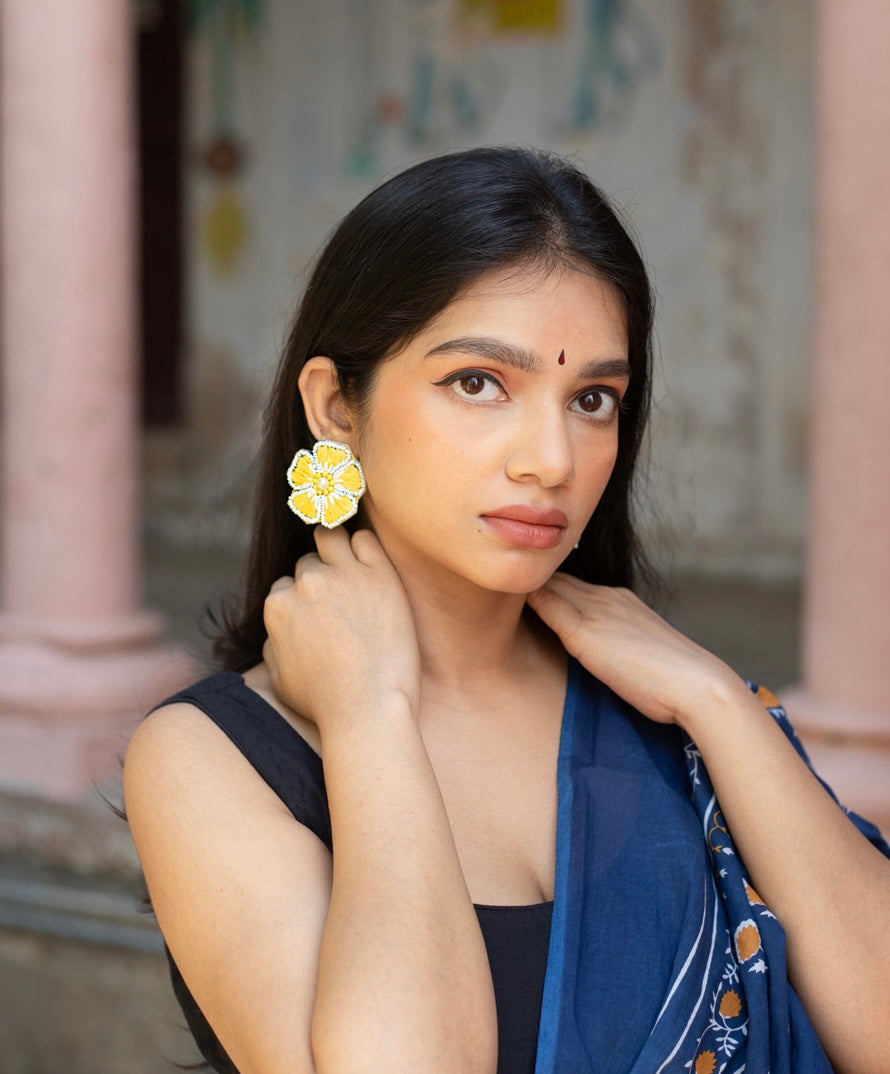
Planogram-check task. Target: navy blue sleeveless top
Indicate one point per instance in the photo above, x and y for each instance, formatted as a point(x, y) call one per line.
point(516, 937)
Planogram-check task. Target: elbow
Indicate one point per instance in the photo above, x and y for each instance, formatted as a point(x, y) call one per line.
point(359, 1048)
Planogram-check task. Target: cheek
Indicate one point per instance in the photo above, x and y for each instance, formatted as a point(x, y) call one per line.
point(385, 439)
point(410, 444)
point(401, 475)
point(597, 461)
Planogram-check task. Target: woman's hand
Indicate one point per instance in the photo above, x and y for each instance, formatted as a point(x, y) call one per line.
point(402, 980)
point(341, 634)
point(630, 648)
point(815, 871)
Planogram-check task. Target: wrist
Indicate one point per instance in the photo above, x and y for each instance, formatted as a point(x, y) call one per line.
point(367, 722)
point(719, 699)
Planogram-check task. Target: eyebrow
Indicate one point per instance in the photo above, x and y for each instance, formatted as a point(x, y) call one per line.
point(526, 361)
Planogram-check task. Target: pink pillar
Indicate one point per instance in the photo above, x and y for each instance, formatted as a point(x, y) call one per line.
point(843, 705)
point(79, 659)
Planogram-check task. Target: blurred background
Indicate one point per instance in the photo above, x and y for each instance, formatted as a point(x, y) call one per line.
point(695, 117)
point(217, 143)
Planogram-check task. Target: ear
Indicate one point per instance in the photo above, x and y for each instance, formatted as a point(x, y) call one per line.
point(327, 412)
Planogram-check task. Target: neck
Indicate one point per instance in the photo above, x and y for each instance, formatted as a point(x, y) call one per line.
point(468, 635)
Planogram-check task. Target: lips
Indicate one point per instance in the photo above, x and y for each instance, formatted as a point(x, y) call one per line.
point(526, 526)
point(534, 516)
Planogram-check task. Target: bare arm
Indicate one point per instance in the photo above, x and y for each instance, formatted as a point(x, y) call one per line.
point(239, 888)
point(404, 982)
point(375, 965)
point(827, 885)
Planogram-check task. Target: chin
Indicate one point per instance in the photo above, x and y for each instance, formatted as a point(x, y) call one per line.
point(525, 578)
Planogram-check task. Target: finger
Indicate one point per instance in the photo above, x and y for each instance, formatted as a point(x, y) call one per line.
point(559, 613)
point(567, 588)
point(269, 656)
point(271, 663)
point(306, 563)
point(284, 582)
point(333, 545)
point(366, 548)
point(563, 618)
point(568, 584)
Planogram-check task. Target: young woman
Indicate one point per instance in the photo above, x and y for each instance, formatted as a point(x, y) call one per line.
point(453, 803)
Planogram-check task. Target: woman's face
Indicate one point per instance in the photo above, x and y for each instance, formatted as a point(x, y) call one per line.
point(489, 439)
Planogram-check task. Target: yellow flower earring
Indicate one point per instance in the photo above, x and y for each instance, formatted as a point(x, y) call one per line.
point(328, 483)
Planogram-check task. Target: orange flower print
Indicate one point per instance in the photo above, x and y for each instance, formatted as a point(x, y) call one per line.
point(767, 698)
point(753, 898)
point(747, 940)
point(730, 1004)
point(714, 840)
point(705, 1063)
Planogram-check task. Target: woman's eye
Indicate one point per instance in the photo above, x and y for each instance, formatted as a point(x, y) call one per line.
point(477, 386)
point(472, 385)
point(597, 402)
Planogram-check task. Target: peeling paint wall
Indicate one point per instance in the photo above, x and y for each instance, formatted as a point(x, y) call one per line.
point(693, 114)
point(732, 255)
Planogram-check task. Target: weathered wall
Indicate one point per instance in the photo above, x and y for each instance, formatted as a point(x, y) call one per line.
point(84, 985)
point(693, 114)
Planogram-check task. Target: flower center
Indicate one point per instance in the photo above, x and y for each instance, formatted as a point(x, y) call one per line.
point(322, 484)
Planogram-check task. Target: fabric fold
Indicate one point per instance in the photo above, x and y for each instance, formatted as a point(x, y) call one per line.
point(663, 957)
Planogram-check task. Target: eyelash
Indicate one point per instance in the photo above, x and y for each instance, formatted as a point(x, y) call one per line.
point(467, 374)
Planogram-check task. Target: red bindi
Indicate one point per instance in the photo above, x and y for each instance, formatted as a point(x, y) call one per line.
point(562, 357)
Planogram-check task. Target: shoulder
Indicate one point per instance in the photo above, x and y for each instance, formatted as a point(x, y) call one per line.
point(176, 739)
point(217, 733)
point(223, 740)
point(206, 823)
point(183, 735)
point(227, 719)
point(219, 848)
point(181, 770)
point(258, 681)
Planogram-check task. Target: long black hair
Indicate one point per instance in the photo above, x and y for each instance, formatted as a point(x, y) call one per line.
point(396, 261)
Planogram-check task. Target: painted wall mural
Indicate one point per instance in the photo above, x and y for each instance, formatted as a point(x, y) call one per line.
point(512, 16)
point(446, 66)
point(223, 25)
point(620, 49)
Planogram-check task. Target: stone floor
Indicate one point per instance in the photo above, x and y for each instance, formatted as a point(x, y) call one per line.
point(83, 984)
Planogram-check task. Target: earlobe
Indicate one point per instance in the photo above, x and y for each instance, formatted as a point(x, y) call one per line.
point(327, 412)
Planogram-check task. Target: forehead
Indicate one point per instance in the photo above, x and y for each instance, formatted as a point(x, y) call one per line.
point(562, 306)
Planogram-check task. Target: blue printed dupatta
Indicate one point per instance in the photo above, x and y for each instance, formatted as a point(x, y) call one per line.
point(662, 956)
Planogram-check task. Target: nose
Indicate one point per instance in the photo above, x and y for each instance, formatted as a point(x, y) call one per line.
point(542, 448)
